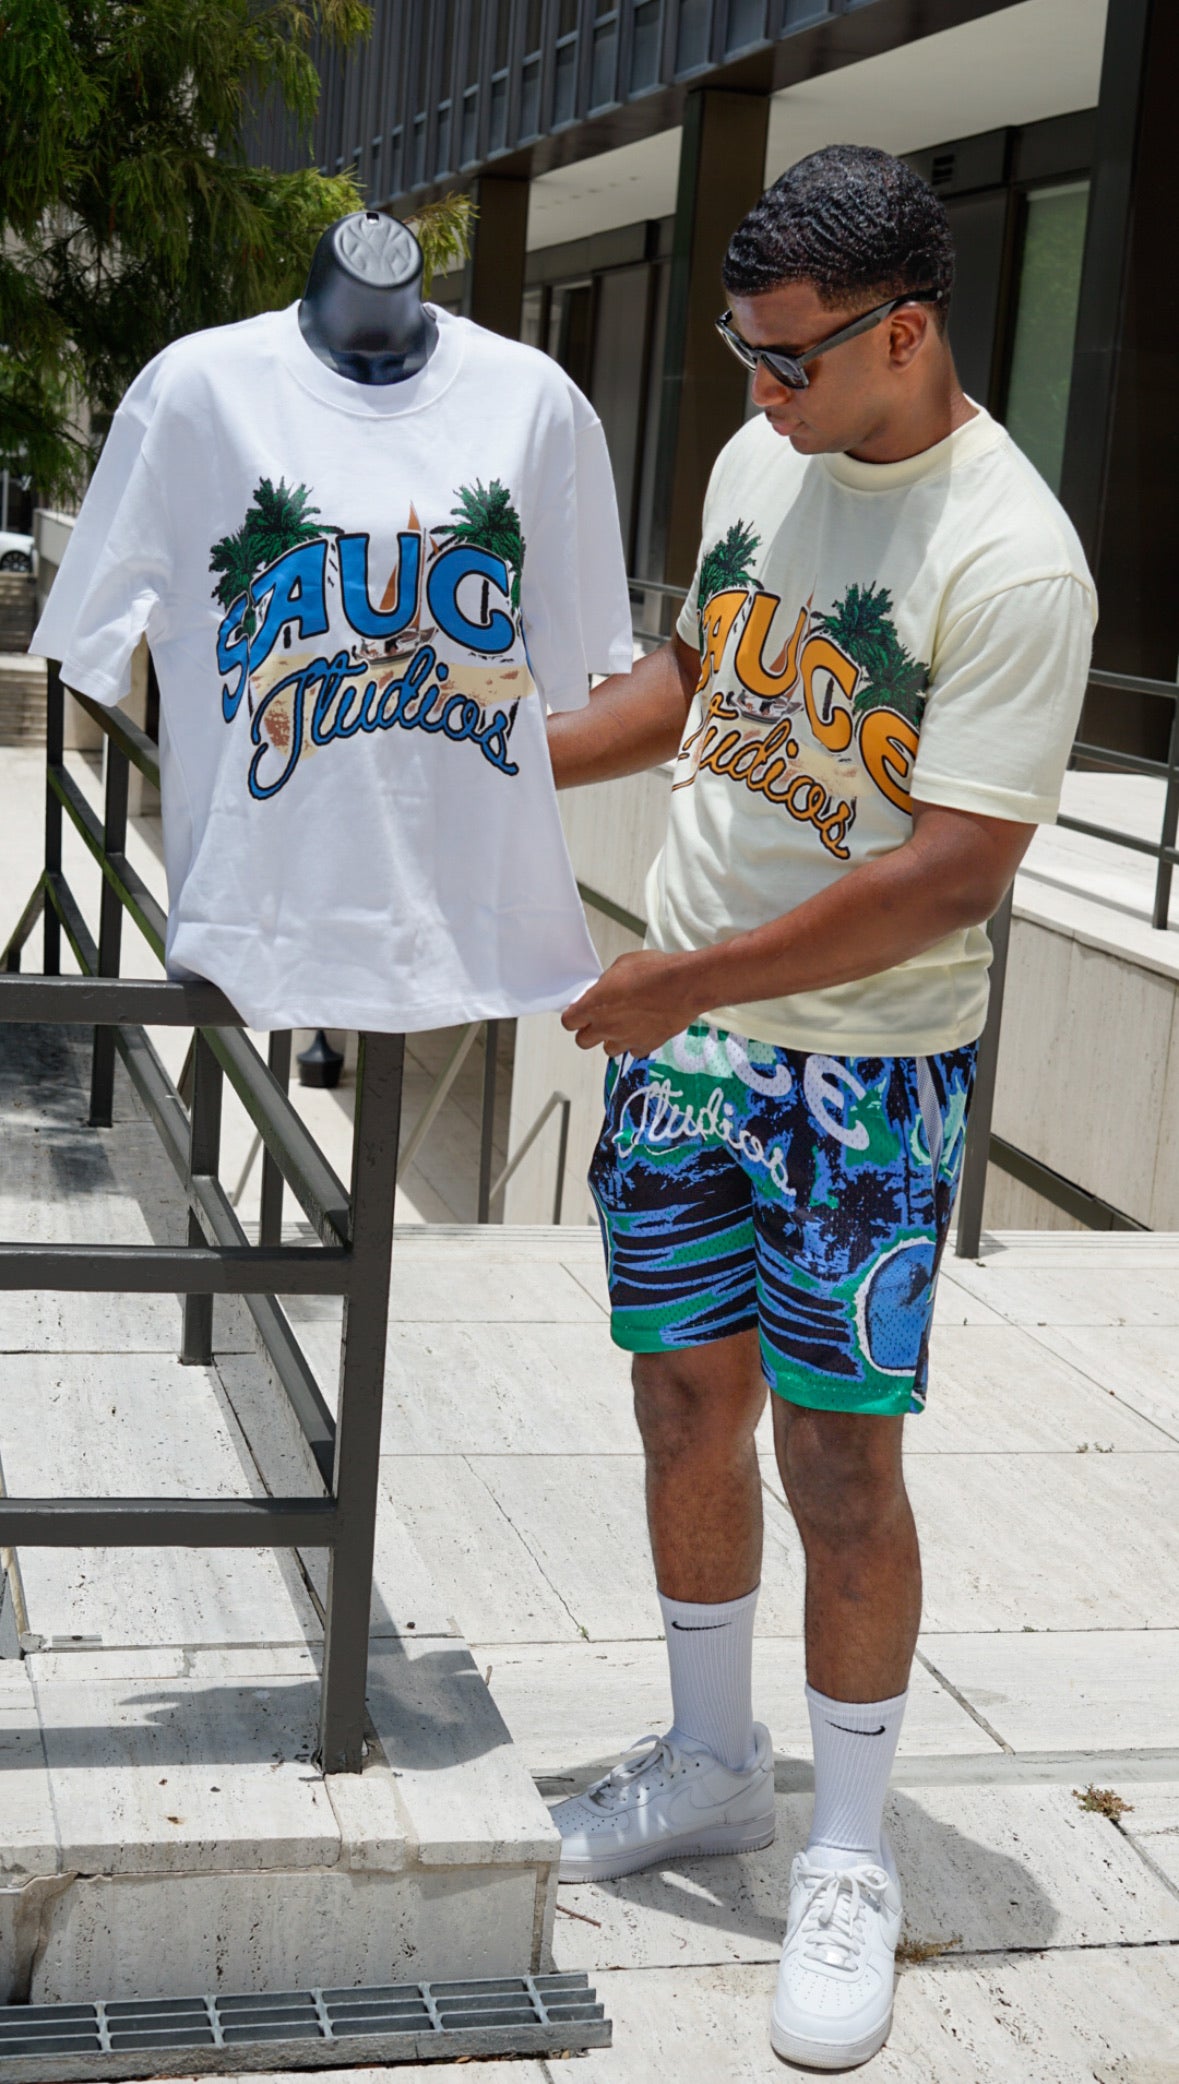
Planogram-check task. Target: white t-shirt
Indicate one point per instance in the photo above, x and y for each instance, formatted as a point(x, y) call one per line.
point(359, 600)
point(867, 632)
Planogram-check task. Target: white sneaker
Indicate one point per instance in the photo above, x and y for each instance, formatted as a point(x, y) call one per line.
point(672, 1799)
point(833, 2005)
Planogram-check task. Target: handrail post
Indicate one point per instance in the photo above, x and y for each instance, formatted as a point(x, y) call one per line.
point(978, 1135)
point(1162, 888)
point(278, 1056)
point(487, 1121)
point(562, 1158)
point(204, 1151)
point(54, 755)
point(362, 1387)
point(110, 932)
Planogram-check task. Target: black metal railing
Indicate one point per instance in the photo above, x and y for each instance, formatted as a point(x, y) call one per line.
point(355, 1225)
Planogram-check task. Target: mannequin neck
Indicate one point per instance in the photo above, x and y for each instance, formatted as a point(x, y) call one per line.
point(372, 334)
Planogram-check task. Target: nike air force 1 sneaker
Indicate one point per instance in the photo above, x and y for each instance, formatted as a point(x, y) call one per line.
point(833, 2005)
point(668, 1799)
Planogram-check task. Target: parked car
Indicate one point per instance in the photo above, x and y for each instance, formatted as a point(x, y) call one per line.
point(16, 551)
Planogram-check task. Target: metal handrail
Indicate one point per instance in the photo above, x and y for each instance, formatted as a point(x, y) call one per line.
point(355, 1224)
point(555, 1099)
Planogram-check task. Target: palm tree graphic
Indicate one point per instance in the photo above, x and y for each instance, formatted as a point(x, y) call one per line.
point(726, 565)
point(279, 520)
point(862, 626)
point(485, 519)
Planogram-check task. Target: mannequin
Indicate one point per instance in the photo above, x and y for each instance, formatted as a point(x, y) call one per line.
point(362, 310)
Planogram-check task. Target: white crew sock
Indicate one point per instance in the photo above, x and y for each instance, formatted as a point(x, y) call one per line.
point(855, 1743)
point(710, 1651)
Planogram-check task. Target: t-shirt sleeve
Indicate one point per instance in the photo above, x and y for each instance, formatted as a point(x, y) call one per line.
point(111, 579)
point(576, 602)
point(1004, 699)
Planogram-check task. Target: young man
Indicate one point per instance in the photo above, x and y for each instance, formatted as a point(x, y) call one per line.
point(868, 704)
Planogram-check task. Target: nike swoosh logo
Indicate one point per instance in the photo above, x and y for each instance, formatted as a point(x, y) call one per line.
point(857, 1732)
point(699, 1627)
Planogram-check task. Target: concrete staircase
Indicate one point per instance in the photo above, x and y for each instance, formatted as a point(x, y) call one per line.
point(22, 679)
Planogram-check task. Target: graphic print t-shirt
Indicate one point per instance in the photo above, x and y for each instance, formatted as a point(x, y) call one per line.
point(359, 600)
point(868, 633)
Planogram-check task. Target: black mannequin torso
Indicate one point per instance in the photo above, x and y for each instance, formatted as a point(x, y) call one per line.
point(362, 310)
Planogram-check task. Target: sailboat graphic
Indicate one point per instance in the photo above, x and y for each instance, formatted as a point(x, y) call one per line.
point(415, 633)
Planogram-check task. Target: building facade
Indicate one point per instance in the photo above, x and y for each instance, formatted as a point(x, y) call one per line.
point(611, 148)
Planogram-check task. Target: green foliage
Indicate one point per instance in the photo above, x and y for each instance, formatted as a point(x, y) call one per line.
point(279, 520)
point(862, 626)
point(485, 519)
point(727, 563)
point(443, 230)
point(128, 212)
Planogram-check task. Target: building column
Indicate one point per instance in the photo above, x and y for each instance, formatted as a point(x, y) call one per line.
point(494, 291)
point(1119, 481)
point(702, 399)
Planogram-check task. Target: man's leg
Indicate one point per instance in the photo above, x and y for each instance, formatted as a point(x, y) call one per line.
point(843, 1477)
point(708, 1785)
point(697, 1410)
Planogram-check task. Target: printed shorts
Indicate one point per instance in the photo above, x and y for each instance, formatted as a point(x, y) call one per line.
point(739, 1184)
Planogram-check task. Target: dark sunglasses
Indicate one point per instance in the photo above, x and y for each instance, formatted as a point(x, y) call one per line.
point(790, 369)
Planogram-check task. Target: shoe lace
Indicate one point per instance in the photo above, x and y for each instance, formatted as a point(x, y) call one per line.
point(832, 1933)
point(637, 1759)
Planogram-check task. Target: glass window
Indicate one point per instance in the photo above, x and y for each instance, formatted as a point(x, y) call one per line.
point(695, 22)
point(646, 37)
point(800, 11)
point(747, 22)
point(605, 50)
point(1046, 324)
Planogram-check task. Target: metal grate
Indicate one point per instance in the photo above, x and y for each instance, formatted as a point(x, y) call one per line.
point(301, 2029)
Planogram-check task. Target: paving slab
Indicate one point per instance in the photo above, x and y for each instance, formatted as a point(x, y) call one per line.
point(1046, 1540)
point(1080, 2017)
point(995, 1387)
point(187, 1775)
point(140, 1425)
point(1151, 1824)
point(1136, 1364)
point(982, 1869)
point(495, 1582)
point(507, 1389)
point(571, 1707)
point(1096, 1690)
point(584, 1520)
point(1051, 1293)
point(433, 1714)
point(405, 1598)
point(28, 1825)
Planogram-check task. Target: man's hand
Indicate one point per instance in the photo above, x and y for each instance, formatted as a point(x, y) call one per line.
point(640, 1002)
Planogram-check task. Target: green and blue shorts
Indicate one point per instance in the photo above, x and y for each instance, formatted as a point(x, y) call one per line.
point(739, 1185)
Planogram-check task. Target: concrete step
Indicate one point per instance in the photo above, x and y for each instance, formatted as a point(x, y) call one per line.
point(22, 699)
point(18, 610)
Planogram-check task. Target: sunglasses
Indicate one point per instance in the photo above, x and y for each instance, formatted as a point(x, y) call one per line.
point(790, 369)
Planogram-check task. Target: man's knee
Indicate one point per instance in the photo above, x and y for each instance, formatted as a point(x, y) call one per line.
point(842, 1473)
point(697, 1398)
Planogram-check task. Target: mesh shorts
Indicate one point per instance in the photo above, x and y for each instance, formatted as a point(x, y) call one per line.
point(741, 1185)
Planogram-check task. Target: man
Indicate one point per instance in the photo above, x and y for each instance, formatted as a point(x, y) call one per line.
point(869, 704)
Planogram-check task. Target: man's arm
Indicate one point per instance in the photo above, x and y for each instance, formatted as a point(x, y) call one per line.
point(951, 873)
point(633, 720)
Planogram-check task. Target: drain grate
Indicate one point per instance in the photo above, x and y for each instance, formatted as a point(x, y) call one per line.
point(301, 2029)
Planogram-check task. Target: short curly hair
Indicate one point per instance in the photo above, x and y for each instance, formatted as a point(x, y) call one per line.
point(853, 222)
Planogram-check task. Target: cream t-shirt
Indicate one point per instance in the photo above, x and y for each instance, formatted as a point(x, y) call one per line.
point(868, 633)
